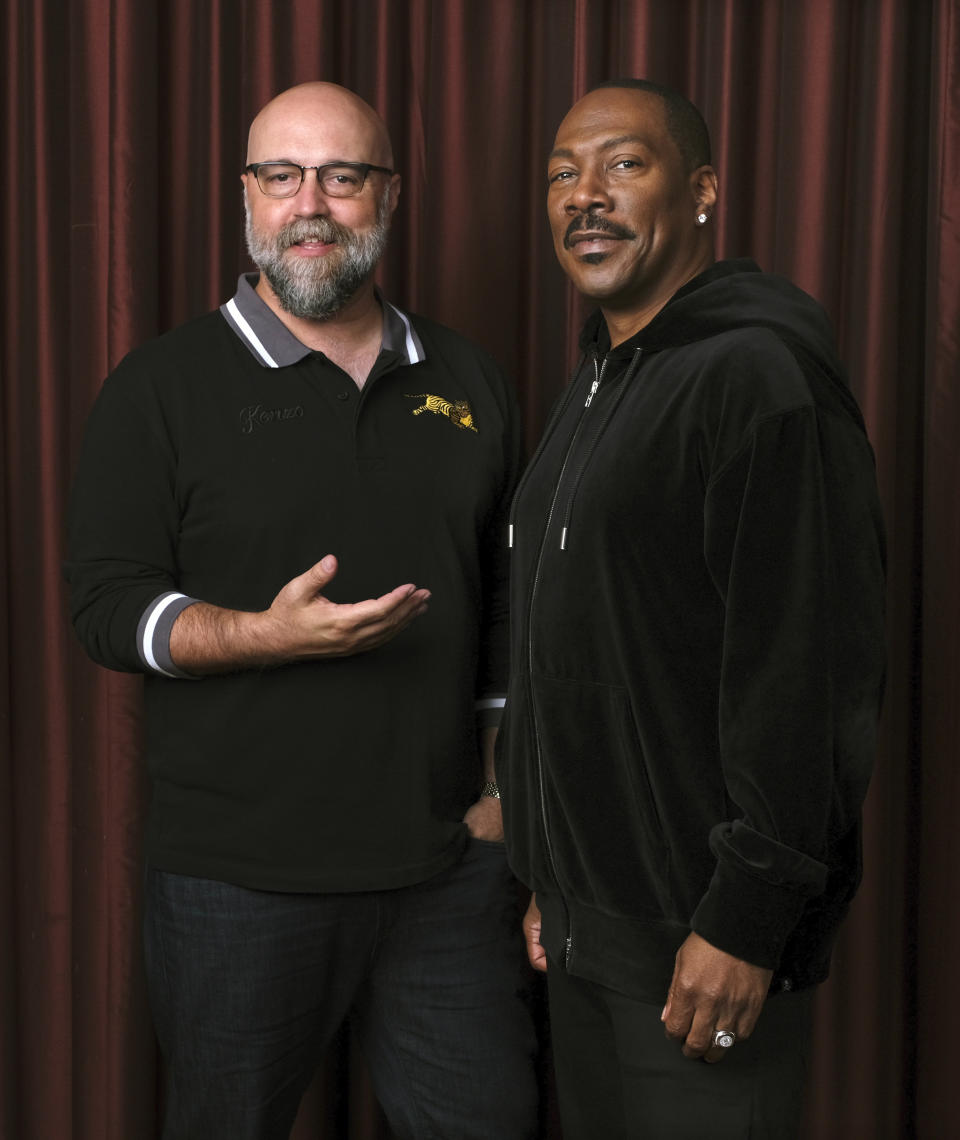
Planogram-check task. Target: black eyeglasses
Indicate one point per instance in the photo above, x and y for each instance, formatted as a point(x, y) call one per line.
point(338, 179)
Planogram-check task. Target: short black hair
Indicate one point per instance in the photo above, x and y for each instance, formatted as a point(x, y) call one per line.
point(685, 124)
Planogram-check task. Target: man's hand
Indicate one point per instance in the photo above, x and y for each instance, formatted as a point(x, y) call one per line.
point(484, 819)
point(301, 624)
point(531, 933)
point(305, 623)
point(712, 990)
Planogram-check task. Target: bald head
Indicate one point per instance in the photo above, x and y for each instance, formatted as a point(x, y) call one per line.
point(316, 123)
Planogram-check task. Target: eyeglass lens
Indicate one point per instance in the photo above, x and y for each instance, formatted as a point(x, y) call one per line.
point(283, 179)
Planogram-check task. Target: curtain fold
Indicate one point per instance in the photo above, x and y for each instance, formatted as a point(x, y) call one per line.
point(836, 127)
point(937, 919)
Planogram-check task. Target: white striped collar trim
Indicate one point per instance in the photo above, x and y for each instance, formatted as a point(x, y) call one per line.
point(275, 346)
point(266, 337)
point(243, 327)
point(411, 342)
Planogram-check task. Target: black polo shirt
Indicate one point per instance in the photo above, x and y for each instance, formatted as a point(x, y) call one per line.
point(222, 460)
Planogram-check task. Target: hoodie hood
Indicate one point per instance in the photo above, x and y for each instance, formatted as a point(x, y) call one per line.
point(730, 295)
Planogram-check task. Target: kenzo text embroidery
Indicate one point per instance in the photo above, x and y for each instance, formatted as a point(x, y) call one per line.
point(458, 413)
point(256, 415)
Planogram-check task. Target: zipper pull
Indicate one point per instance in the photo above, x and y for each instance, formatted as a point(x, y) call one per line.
point(593, 391)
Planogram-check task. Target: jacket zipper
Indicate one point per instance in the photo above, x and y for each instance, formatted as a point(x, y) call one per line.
point(587, 455)
point(597, 381)
point(555, 418)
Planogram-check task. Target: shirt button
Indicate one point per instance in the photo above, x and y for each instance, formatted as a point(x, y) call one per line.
point(343, 395)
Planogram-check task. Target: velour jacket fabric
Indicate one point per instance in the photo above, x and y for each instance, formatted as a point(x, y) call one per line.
point(697, 642)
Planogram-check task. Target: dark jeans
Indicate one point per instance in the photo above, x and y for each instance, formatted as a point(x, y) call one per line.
point(620, 1078)
point(248, 987)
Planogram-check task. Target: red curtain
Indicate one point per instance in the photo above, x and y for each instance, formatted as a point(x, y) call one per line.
point(836, 126)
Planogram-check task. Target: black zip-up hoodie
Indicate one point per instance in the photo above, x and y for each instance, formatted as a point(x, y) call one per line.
point(697, 642)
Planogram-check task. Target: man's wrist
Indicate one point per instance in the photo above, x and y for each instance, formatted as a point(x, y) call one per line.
point(209, 639)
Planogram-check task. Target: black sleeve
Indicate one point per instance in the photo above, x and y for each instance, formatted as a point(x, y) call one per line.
point(122, 528)
point(794, 545)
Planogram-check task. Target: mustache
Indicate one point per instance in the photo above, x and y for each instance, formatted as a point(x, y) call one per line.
point(595, 224)
point(311, 229)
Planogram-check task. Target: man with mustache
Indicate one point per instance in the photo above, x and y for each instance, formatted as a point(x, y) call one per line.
point(311, 574)
point(698, 653)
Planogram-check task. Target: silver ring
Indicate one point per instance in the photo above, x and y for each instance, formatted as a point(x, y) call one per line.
point(724, 1038)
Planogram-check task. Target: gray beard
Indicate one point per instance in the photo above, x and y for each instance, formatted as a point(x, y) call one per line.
point(318, 287)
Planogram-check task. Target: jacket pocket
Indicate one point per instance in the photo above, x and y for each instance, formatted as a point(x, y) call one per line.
point(605, 831)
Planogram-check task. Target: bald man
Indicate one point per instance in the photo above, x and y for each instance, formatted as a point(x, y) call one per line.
point(289, 516)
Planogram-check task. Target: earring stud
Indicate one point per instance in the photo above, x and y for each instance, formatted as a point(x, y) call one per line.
point(701, 219)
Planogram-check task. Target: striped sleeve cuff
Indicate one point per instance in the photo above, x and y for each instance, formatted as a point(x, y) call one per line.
point(489, 710)
point(153, 634)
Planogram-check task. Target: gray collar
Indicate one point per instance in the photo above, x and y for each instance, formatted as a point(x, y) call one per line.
point(274, 345)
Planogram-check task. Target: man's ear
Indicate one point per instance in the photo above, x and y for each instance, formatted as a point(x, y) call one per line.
point(703, 185)
point(395, 183)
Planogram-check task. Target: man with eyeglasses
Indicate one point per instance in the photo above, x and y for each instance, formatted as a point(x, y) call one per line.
point(289, 515)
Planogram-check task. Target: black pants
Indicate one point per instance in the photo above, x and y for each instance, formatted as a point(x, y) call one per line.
point(620, 1078)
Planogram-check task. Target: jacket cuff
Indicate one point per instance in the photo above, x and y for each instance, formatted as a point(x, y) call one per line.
point(153, 634)
point(489, 710)
point(748, 917)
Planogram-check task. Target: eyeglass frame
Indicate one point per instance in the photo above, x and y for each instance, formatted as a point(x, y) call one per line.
point(365, 167)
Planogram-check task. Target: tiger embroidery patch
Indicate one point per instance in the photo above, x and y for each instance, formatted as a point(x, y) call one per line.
point(457, 412)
